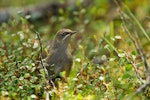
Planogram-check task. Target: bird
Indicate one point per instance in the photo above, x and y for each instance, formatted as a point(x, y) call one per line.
point(60, 58)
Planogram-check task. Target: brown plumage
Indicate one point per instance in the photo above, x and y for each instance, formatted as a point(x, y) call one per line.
point(60, 57)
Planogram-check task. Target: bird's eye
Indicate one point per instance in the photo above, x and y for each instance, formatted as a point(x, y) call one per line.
point(65, 33)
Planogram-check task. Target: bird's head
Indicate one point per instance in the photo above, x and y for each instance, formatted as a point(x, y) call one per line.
point(64, 35)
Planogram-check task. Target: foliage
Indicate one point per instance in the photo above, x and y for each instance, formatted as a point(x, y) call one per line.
point(103, 54)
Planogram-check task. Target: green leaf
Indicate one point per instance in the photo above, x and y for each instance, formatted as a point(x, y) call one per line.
point(128, 67)
point(126, 75)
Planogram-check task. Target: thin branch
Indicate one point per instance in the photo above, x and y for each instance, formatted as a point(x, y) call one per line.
point(46, 72)
point(139, 49)
point(38, 36)
point(48, 96)
point(142, 55)
point(147, 68)
point(135, 44)
point(134, 66)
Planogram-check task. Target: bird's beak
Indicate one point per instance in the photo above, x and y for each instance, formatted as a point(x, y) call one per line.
point(73, 32)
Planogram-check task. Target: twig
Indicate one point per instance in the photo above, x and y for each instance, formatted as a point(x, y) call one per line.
point(135, 44)
point(134, 66)
point(139, 50)
point(46, 72)
point(48, 97)
point(38, 36)
point(147, 68)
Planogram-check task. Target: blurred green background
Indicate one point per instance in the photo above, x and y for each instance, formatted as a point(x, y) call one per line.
point(102, 50)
